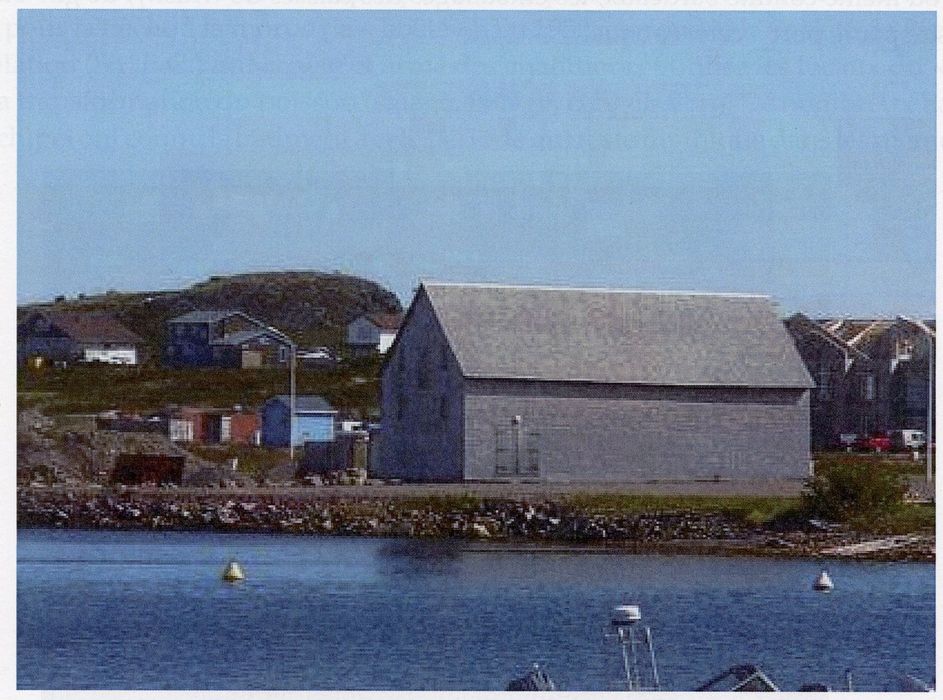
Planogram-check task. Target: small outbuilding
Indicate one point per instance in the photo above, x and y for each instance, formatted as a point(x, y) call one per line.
point(314, 420)
point(157, 469)
point(372, 333)
point(498, 382)
point(214, 425)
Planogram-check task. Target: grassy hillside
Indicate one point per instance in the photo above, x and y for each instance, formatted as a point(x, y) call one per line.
point(312, 307)
point(88, 389)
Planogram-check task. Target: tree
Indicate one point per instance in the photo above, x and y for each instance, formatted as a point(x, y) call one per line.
point(846, 489)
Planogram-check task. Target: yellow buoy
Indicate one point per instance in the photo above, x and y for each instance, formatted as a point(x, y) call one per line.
point(233, 572)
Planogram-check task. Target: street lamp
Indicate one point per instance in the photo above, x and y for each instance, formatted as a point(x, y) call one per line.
point(931, 337)
point(291, 407)
point(930, 414)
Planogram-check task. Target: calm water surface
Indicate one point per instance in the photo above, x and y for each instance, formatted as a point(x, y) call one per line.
point(148, 610)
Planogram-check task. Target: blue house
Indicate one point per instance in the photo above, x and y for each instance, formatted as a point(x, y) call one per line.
point(314, 420)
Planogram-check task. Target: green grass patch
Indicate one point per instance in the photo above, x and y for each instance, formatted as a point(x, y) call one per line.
point(900, 463)
point(752, 509)
point(254, 461)
point(86, 389)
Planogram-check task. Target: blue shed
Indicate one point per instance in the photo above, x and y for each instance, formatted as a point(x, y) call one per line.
point(314, 420)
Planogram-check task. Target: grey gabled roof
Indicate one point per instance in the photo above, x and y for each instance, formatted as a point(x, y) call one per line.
point(90, 327)
point(616, 336)
point(216, 315)
point(206, 316)
point(306, 403)
point(809, 326)
point(240, 337)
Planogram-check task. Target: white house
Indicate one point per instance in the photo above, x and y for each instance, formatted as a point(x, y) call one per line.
point(372, 333)
point(77, 337)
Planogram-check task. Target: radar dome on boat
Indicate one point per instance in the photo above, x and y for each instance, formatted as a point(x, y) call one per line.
point(626, 614)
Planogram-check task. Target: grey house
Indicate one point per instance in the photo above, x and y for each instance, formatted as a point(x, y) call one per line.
point(872, 375)
point(489, 382)
point(843, 399)
point(224, 339)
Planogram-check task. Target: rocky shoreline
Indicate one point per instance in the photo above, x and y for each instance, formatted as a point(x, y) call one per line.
point(495, 523)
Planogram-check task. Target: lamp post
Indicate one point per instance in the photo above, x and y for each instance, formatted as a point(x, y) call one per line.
point(930, 413)
point(931, 340)
point(291, 407)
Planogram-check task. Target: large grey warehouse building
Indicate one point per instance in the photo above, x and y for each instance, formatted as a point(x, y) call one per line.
point(495, 382)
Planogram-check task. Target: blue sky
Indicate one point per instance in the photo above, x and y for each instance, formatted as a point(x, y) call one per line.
point(790, 154)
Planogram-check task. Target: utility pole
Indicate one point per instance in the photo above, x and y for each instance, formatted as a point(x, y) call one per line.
point(931, 341)
point(930, 414)
point(291, 408)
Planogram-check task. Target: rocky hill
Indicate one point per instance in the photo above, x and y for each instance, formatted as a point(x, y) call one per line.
point(312, 307)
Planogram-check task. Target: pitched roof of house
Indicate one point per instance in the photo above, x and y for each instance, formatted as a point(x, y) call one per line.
point(206, 316)
point(240, 337)
point(823, 330)
point(925, 326)
point(306, 403)
point(387, 322)
point(856, 331)
point(866, 338)
point(94, 327)
point(215, 315)
point(616, 336)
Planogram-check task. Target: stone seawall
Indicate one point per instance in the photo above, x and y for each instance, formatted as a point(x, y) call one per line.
point(508, 521)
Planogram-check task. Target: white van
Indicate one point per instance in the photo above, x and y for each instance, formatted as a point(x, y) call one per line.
point(909, 439)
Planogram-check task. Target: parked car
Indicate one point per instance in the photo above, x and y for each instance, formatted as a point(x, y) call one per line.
point(908, 439)
point(878, 442)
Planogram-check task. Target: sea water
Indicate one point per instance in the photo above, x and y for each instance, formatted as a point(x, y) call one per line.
point(142, 610)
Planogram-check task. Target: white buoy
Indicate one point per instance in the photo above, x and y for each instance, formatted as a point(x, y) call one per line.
point(233, 572)
point(823, 582)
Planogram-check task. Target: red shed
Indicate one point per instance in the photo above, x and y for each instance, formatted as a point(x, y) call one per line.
point(206, 423)
point(243, 428)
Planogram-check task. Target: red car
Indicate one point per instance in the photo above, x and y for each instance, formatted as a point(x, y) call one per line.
point(879, 442)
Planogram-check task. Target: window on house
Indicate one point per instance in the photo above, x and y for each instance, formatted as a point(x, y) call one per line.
point(825, 385)
point(282, 354)
point(868, 387)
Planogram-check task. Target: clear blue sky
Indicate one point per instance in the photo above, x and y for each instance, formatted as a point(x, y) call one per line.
point(790, 154)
